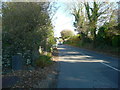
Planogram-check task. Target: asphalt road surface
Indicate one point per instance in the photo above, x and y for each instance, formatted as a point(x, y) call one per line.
point(81, 68)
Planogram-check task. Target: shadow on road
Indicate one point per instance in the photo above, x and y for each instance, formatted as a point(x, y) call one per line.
point(83, 69)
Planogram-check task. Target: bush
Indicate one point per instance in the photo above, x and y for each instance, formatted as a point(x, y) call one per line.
point(87, 40)
point(100, 41)
point(49, 54)
point(116, 41)
point(43, 61)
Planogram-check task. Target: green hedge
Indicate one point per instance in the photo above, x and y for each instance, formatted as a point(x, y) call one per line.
point(116, 41)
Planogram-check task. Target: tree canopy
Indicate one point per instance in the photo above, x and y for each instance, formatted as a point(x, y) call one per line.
point(90, 17)
point(66, 34)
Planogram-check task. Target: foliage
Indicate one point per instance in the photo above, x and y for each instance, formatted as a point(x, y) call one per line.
point(26, 26)
point(74, 40)
point(77, 40)
point(43, 61)
point(66, 34)
point(88, 22)
point(116, 41)
point(80, 22)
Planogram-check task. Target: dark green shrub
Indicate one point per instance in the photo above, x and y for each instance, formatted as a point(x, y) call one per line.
point(116, 41)
point(87, 40)
point(100, 40)
point(108, 40)
point(101, 36)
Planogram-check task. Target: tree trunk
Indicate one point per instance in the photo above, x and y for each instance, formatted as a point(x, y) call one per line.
point(94, 38)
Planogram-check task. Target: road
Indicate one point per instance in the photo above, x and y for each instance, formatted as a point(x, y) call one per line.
point(81, 68)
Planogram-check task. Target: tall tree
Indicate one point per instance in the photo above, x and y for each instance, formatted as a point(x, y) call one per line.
point(80, 18)
point(94, 12)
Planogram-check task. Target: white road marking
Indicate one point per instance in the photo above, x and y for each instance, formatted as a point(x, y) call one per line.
point(110, 66)
point(81, 60)
point(96, 61)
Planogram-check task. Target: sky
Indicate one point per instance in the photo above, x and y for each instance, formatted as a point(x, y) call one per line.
point(63, 19)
